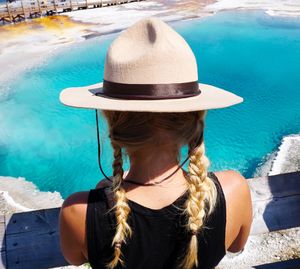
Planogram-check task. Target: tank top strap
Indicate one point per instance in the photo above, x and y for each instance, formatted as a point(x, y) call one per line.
point(215, 227)
point(99, 223)
point(221, 196)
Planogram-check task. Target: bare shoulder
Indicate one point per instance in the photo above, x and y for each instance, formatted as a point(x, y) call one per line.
point(235, 188)
point(76, 198)
point(75, 205)
point(72, 228)
point(232, 182)
point(238, 208)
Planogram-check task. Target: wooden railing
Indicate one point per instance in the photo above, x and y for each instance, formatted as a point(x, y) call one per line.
point(30, 240)
point(22, 9)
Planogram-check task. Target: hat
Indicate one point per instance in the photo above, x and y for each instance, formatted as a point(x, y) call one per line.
point(149, 68)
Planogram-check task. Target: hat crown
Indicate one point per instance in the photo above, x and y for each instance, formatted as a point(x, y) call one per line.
point(150, 52)
point(153, 54)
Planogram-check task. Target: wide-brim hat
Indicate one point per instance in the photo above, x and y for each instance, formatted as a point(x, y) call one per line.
point(149, 68)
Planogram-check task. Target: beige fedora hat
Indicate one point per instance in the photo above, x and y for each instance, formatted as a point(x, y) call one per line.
point(149, 68)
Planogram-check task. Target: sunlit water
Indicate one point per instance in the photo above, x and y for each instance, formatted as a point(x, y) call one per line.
point(251, 54)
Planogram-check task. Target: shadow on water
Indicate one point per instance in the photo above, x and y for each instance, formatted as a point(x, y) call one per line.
point(251, 167)
point(31, 240)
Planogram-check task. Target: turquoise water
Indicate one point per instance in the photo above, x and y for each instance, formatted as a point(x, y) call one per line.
point(249, 53)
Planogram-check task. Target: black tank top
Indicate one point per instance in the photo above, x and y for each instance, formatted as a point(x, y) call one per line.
point(159, 238)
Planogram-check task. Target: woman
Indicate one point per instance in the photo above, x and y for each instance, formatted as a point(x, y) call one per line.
point(157, 215)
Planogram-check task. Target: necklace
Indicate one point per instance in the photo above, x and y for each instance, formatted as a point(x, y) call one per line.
point(155, 183)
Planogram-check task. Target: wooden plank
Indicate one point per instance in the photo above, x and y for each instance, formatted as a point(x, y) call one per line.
point(276, 202)
point(32, 240)
point(275, 186)
point(26, 222)
point(290, 264)
point(277, 214)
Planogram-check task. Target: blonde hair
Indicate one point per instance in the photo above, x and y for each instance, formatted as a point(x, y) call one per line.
point(133, 131)
point(201, 190)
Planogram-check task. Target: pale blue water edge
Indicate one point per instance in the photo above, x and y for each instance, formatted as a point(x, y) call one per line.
point(249, 53)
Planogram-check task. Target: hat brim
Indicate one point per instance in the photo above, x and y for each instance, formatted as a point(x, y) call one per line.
point(210, 98)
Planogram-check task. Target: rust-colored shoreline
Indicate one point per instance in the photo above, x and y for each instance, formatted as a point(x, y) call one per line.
point(33, 39)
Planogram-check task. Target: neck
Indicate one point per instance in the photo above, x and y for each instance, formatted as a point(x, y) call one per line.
point(150, 167)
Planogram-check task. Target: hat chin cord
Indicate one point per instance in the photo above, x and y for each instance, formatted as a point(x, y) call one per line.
point(199, 141)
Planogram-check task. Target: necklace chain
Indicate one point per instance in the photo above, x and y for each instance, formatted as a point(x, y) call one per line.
point(155, 183)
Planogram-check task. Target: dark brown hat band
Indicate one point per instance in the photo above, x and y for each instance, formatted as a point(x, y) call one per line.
point(149, 91)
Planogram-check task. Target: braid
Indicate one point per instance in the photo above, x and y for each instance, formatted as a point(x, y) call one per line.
point(201, 190)
point(121, 207)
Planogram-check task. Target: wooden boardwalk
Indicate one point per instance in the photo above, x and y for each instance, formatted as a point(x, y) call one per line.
point(20, 10)
point(30, 240)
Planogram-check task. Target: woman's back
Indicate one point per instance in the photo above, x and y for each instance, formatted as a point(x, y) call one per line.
point(91, 231)
point(159, 235)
